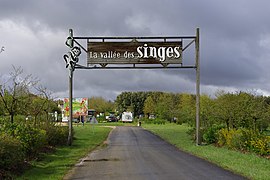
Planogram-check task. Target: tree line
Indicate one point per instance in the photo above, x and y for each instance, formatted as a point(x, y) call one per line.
point(237, 120)
point(233, 110)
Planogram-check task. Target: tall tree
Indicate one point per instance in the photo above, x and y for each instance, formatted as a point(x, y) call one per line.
point(131, 101)
point(149, 106)
point(165, 106)
point(207, 111)
point(41, 104)
point(100, 104)
point(226, 108)
point(187, 109)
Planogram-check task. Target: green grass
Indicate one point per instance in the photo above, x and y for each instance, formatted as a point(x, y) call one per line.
point(57, 164)
point(248, 165)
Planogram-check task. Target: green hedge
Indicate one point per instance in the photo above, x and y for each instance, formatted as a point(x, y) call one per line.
point(11, 155)
point(20, 143)
point(56, 135)
point(32, 139)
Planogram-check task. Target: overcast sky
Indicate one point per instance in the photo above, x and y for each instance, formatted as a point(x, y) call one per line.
point(235, 43)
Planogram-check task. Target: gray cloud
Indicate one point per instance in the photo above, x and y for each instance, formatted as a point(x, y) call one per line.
point(235, 42)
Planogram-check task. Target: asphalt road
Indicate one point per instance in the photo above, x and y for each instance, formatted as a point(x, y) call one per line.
point(134, 153)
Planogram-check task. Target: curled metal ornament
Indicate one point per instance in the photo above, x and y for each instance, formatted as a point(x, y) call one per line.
point(72, 58)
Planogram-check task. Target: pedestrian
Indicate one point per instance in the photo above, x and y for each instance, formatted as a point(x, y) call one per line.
point(82, 119)
point(90, 119)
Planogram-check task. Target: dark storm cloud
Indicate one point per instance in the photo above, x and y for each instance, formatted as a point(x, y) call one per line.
point(85, 17)
point(235, 41)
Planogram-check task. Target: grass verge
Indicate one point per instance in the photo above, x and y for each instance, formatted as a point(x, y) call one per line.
point(57, 164)
point(248, 165)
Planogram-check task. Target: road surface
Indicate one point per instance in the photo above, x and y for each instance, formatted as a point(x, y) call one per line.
point(134, 153)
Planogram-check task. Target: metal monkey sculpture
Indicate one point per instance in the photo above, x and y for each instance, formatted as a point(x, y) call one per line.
point(72, 57)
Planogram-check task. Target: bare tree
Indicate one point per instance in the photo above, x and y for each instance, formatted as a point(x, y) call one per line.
point(14, 90)
point(45, 97)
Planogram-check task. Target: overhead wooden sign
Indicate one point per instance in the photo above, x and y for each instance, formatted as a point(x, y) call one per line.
point(135, 52)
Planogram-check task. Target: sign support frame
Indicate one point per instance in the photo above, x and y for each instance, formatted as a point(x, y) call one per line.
point(197, 48)
point(74, 65)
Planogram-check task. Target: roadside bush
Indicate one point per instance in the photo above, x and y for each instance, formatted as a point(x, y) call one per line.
point(179, 121)
point(147, 121)
point(225, 137)
point(11, 155)
point(261, 146)
point(192, 133)
point(248, 136)
point(238, 141)
point(244, 139)
point(32, 139)
point(210, 135)
point(159, 121)
point(154, 121)
point(234, 138)
point(56, 135)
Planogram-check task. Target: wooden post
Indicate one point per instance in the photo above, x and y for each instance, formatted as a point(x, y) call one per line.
point(197, 48)
point(70, 135)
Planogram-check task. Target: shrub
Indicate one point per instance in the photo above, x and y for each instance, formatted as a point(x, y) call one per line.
point(179, 121)
point(159, 121)
point(210, 134)
point(248, 136)
point(244, 139)
point(148, 121)
point(238, 141)
point(261, 146)
point(8, 128)
point(222, 137)
point(154, 121)
point(192, 133)
point(32, 139)
point(11, 155)
point(56, 135)
point(225, 137)
point(232, 138)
